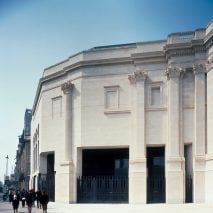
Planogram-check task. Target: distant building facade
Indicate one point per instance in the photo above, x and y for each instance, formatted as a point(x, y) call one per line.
point(128, 123)
point(22, 168)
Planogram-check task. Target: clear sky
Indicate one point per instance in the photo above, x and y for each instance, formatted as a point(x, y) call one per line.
point(35, 34)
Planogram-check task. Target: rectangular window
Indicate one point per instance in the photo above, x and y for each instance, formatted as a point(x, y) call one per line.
point(112, 97)
point(155, 96)
point(56, 107)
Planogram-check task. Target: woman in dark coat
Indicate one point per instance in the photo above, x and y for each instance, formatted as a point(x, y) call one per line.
point(15, 201)
point(44, 201)
point(29, 200)
point(23, 198)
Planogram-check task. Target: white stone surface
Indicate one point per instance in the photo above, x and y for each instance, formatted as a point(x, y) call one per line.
point(136, 119)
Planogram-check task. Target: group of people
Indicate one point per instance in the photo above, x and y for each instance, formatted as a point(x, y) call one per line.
point(29, 198)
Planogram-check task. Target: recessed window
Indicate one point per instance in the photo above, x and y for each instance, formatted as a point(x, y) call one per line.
point(155, 96)
point(56, 107)
point(111, 97)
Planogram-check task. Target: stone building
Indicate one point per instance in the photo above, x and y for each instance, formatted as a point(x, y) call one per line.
point(128, 123)
point(22, 167)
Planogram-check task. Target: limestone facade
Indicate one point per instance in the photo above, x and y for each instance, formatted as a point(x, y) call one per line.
point(133, 96)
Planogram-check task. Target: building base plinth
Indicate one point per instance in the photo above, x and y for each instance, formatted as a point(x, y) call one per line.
point(209, 178)
point(175, 192)
point(137, 181)
point(199, 179)
point(66, 190)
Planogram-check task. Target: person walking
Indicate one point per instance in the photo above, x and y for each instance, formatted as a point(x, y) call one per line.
point(44, 201)
point(38, 198)
point(15, 201)
point(10, 196)
point(23, 198)
point(29, 201)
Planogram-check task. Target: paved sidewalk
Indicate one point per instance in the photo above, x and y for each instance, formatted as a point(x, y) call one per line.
point(130, 208)
point(5, 207)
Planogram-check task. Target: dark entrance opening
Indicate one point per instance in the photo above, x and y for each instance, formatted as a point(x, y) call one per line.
point(188, 173)
point(51, 177)
point(104, 176)
point(47, 181)
point(156, 175)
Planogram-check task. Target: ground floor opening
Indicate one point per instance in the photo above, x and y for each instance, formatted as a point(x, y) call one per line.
point(156, 175)
point(104, 176)
point(46, 181)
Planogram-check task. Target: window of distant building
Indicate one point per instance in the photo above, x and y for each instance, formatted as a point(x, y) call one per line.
point(36, 149)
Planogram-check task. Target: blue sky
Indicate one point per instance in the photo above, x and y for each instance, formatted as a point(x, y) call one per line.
point(35, 34)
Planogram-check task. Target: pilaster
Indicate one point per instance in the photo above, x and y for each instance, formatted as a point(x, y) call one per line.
point(199, 134)
point(67, 165)
point(174, 162)
point(209, 156)
point(137, 164)
point(67, 90)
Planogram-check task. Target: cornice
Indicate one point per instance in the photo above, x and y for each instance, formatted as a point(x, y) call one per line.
point(209, 40)
point(183, 50)
point(149, 57)
point(88, 63)
point(41, 82)
point(209, 64)
point(36, 96)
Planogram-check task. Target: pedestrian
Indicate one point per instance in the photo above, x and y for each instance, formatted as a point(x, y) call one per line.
point(38, 198)
point(44, 201)
point(15, 201)
point(34, 196)
point(23, 198)
point(10, 196)
point(29, 201)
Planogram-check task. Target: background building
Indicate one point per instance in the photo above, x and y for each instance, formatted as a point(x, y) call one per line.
point(22, 168)
point(127, 123)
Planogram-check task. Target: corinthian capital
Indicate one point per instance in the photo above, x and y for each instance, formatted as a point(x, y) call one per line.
point(138, 75)
point(209, 64)
point(199, 69)
point(173, 72)
point(67, 87)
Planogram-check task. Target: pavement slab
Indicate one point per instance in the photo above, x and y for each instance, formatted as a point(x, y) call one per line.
point(54, 207)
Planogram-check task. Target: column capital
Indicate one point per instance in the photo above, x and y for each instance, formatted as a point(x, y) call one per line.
point(67, 87)
point(209, 64)
point(138, 75)
point(199, 69)
point(173, 72)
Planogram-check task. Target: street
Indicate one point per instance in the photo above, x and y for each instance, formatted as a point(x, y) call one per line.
point(7, 207)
